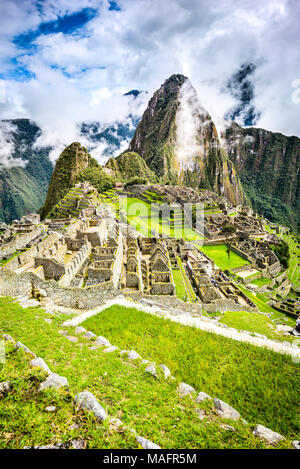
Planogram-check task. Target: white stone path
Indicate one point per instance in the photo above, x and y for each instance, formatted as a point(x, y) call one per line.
point(205, 324)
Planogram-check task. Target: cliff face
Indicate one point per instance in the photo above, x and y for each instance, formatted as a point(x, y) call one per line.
point(269, 167)
point(72, 161)
point(179, 141)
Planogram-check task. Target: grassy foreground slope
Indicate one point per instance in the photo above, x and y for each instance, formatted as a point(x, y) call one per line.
point(262, 385)
point(150, 406)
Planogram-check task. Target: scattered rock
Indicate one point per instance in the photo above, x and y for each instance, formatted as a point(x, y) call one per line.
point(50, 408)
point(87, 401)
point(19, 345)
point(296, 444)
point(227, 427)
point(102, 341)
point(5, 387)
point(54, 446)
point(74, 426)
point(166, 371)
point(8, 338)
point(78, 444)
point(80, 330)
point(54, 381)
point(72, 339)
point(40, 363)
point(90, 335)
point(133, 355)
point(144, 362)
point(267, 434)
point(93, 348)
point(225, 410)
point(48, 320)
point(116, 422)
point(110, 349)
point(146, 444)
point(201, 413)
point(202, 396)
point(151, 370)
point(185, 389)
point(62, 332)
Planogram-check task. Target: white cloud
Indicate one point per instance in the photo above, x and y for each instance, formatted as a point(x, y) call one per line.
point(7, 147)
point(81, 76)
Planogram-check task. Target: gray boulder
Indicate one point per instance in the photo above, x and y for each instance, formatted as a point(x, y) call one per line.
point(225, 410)
point(90, 335)
point(54, 381)
point(166, 371)
point(111, 349)
point(267, 434)
point(133, 355)
point(151, 370)
point(296, 444)
point(5, 387)
point(185, 389)
point(40, 363)
point(87, 401)
point(72, 339)
point(80, 330)
point(102, 341)
point(146, 444)
point(19, 345)
point(8, 338)
point(202, 396)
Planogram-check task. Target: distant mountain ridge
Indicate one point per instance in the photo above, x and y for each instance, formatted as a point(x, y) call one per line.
point(263, 165)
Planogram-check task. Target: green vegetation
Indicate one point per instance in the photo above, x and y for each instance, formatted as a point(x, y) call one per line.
point(150, 406)
point(262, 157)
point(252, 322)
point(179, 284)
point(255, 381)
point(145, 218)
point(188, 287)
point(282, 252)
point(260, 282)
point(219, 255)
point(130, 167)
point(71, 162)
point(97, 177)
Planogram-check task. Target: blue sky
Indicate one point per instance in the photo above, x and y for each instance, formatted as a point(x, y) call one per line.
point(65, 61)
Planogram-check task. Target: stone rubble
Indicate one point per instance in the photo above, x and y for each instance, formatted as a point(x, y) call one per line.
point(87, 401)
point(269, 435)
point(225, 410)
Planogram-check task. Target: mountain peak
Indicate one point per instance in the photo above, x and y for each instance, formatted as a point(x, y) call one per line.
point(70, 163)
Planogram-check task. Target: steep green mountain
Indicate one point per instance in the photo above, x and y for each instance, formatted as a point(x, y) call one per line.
point(179, 141)
point(24, 180)
point(71, 162)
point(129, 165)
point(269, 167)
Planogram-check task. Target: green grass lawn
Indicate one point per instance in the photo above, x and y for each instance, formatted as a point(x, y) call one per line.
point(219, 255)
point(252, 322)
point(179, 284)
point(150, 406)
point(260, 282)
point(253, 380)
point(144, 217)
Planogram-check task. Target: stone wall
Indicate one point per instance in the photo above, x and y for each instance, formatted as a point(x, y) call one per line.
point(76, 263)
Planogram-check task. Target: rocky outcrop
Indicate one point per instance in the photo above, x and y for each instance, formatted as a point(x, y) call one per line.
point(179, 141)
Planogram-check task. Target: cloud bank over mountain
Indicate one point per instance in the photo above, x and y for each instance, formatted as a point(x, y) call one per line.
point(68, 62)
